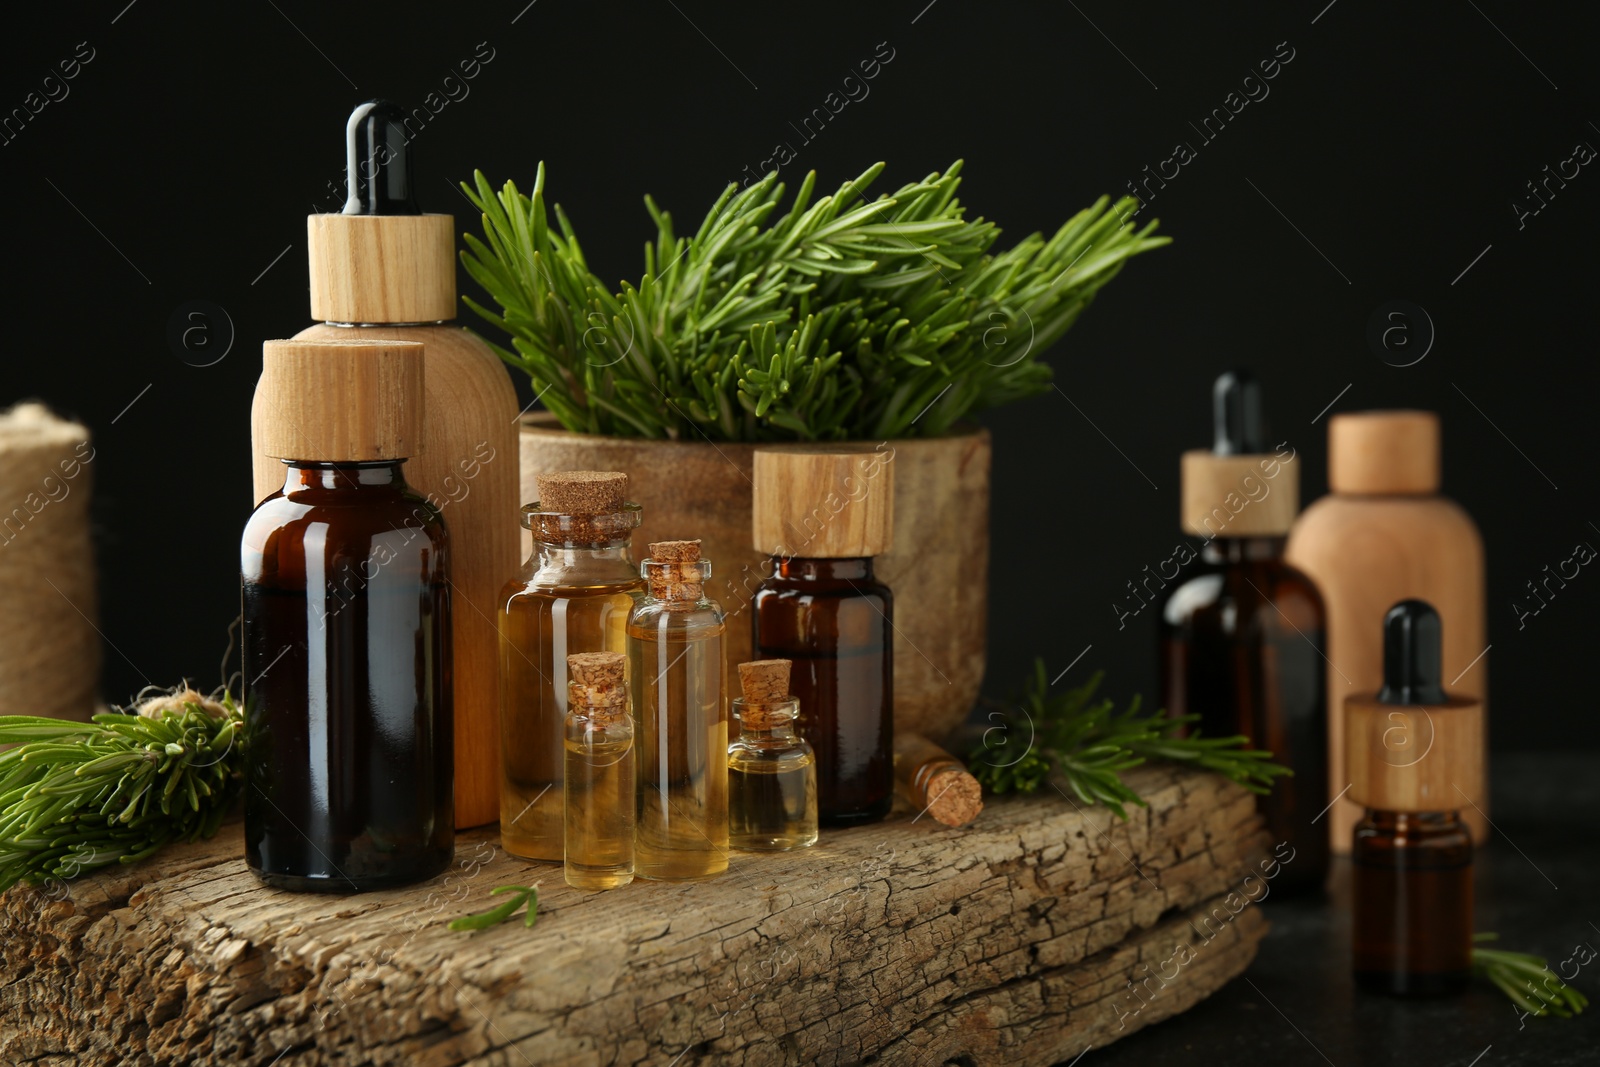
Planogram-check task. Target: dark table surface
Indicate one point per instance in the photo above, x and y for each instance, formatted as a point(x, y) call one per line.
point(1537, 885)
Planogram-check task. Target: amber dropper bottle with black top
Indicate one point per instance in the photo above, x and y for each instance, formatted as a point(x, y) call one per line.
point(1412, 753)
point(346, 647)
point(1242, 635)
point(573, 595)
point(822, 516)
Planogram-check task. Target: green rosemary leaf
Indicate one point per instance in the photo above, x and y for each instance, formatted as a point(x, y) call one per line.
point(494, 916)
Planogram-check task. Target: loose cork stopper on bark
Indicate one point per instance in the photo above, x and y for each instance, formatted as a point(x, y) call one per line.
point(1384, 453)
point(765, 680)
point(1239, 496)
point(676, 572)
point(345, 401)
point(836, 504)
point(595, 683)
point(1411, 757)
point(935, 782)
point(382, 268)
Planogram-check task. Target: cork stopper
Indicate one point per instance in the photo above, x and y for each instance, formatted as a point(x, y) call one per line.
point(582, 508)
point(823, 504)
point(764, 680)
point(1384, 453)
point(675, 572)
point(766, 702)
point(595, 684)
point(582, 492)
point(934, 782)
point(343, 401)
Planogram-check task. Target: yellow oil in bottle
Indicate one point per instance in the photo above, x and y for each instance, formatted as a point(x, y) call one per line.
point(599, 793)
point(539, 627)
point(772, 805)
point(676, 669)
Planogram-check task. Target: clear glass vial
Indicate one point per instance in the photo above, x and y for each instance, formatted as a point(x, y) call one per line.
point(599, 781)
point(676, 667)
point(573, 595)
point(772, 771)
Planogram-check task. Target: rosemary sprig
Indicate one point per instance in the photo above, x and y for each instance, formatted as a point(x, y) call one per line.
point(494, 916)
point(842, 318)
point(1089, 744)
point(75, 796)
point(1527, 980)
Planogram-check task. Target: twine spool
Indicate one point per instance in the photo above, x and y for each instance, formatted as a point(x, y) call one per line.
point(49, 648)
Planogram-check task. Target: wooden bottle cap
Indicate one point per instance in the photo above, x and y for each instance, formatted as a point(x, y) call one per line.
point(596, 678)
point(765, 681)
point(825, 504)
point(1239, 496)
point(382, 268)
point(1413, 757)
point(340, 401)
point(1384, 452)
point(582, 492)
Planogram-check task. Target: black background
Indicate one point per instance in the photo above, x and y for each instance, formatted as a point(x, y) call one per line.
point(1385, 160)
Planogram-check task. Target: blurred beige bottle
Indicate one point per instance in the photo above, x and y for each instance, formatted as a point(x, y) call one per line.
point(1383, 534)
point(383, 270)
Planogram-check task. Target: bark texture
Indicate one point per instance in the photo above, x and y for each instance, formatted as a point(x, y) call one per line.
point(1040, 930)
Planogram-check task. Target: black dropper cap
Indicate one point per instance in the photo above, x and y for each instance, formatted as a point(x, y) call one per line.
point(377, 163)
point(1236, 411)
point(1413, 653)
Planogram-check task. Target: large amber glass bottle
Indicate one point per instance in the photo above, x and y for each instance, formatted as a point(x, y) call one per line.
point(573, 595)
point(1242, 633)
point(346, 647)
point(823, 516)
point(677, 668)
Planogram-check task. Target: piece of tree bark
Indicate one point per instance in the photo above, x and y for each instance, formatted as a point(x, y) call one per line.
point(1042, 929)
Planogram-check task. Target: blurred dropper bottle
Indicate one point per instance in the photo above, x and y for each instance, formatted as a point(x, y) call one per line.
point(384, 270)
point(1414, 757)
point(1242, 634)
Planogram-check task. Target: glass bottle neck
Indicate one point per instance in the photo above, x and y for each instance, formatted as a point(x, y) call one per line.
point(565, 556)
point(781, 733)
point(1242, 549)
point(857, 568)
point(381, 474)
point(1414, 822)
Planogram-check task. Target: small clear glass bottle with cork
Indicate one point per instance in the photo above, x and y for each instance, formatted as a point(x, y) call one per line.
point(772, 772)
point(1413, 755)
point(346, 633)
point(935, 783)
point(677, 667)
point(1242, 633)
point(573, 595)
point(822, 515)
point(598, 783)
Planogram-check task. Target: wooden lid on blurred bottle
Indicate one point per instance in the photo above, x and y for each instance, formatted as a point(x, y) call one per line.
point(1411, 746)
point(823, 503)
point(341, 401)
point(1384, 453)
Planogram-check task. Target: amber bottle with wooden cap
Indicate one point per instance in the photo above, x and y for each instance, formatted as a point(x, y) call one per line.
point(599, 780)
point(1384, 534)
point(1242, 633)
point(346, 652)
point(677, 668)
point(934, 782)
point(384, 270)
point(772, 772)
point(822, 516)
point(573, 595)
point(1415, 757)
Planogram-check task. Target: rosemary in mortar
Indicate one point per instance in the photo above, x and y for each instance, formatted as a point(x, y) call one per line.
point(836, 319)
point(76, 796)
point(1088, 744)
